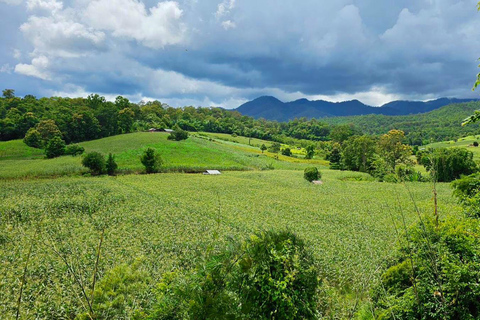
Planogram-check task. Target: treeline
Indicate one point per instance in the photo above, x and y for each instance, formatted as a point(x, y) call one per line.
point(420, 129)
point(82, 119)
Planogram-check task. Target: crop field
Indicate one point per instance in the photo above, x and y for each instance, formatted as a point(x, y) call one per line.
point(193, 155)
point(167, 220)
point(466, 142)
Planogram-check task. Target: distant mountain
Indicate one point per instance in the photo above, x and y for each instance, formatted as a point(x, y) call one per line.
point(271, 108)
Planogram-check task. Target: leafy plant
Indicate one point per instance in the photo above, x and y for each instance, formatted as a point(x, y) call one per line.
point(94, 161)
point(151, 160)
point(55, 147)
point(178, 134)
point(74, 150)
point(111, 165)
point(287, 152)
point(311, 173)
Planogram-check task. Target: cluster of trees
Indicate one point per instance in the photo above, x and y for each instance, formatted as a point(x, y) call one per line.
point(82, 119)
point(380, 157)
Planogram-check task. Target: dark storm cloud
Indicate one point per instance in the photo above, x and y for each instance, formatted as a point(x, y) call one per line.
point(227, 51)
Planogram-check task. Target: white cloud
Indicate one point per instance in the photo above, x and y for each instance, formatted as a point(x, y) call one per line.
point(6, 68)
point(17, 54)
point(49, 5)
point(224, 8)
point(12, 2)
point(155, 28)
point(37, 69)
point(58, 35)
point(228, 24)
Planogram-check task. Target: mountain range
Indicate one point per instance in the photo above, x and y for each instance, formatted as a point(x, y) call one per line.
point(271, 108)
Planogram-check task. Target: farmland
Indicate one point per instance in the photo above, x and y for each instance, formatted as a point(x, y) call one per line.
point(166, 220)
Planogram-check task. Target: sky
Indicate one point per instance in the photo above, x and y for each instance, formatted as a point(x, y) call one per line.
point(226, 52)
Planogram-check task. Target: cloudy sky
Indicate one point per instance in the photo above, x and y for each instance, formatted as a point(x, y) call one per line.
point(225, 52)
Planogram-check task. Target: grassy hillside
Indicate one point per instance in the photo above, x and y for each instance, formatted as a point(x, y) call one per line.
point(167, 220)
point(437, 125)
point(465, 142)
point(192, 155)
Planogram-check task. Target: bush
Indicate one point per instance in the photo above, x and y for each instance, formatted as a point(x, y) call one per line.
point(475, 143)
point(74, 150)
point(287, 152)
point(311, 173)
point(111, 165)
point(467, 191)
point(435, 276)
point(446, 165)
point(151, 160)
point(178, 134)
point(95, 162)
point(271, 275)
point(33, 138)
point(55, 147)
point(310, 149)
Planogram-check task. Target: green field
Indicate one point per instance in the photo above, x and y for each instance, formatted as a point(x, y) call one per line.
point(465, 142)
point(195, 154)
point(167, 220)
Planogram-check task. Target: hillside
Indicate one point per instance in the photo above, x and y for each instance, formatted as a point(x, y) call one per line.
point(271, 108)
point(438, 125)
point(196, 154)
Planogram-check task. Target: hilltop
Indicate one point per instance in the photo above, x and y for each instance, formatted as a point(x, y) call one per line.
point(271, 108)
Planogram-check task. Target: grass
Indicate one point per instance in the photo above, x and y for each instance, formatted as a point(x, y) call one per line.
point(195, 154)
point(166, 220)
point(465, 142)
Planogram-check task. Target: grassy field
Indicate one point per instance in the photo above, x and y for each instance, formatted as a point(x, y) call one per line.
point(194, 154)
point(166, 220)
point(466, 142)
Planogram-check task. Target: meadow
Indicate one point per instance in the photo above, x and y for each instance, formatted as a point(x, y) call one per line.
point(51, 228)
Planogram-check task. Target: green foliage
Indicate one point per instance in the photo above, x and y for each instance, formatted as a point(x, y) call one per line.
point(120, 294)
point(475, 143)
point(311, 173)
point(335, 157)
point(358, 153)
point(8, 93)
point(447, 164)
point(74, 150)
point(467, 191)
point(392, 149)
point(287, 152)
point(310, 151)
point(275, 147)
point(47, 130)
point(33, 138)
point(178, 134)
point(436, 276)
point(55, 147)
point(263, 147)
point(271, 275)
point(111, 165)
point(342, 132)
point(94, 161)
point(151, 160)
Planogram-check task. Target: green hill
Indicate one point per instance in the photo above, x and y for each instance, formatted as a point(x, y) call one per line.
point(196, 154)
point(438, 125)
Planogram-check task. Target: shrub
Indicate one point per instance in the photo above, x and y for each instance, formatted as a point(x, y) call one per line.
point(435, 275)
point(151, 160)
point(95, 162)
point(275, 147)
point(271, 275)
point(467, 191)
point(74, 150)
point(475, 143)
point(310, 152)
point(55, 147)
point(287, 152)
point(178, 134)
point(263, 147)
point(446, 165)
point(33, 138)
point(311, 173)
point(111, 165)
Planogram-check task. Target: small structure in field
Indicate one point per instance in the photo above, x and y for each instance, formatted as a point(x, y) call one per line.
point(212, 172)
point(160, 130)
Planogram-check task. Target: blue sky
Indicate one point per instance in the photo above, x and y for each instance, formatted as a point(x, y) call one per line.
point(225, 52)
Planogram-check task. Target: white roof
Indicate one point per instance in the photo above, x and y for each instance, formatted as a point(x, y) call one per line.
point(212, 172)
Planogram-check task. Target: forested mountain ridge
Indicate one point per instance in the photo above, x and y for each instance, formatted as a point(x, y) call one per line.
point(271, 108)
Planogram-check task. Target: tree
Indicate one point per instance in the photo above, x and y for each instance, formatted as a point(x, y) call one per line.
point(311, 173)
point(178, 134)
point(74, 150)
point(287, 152)
point(125, 120)
point(341, 133)
point(263, 147)
point(47, 130)
point(310, 151)
point(151, 160)
point(358, 153)
point(8, 93)
point(111, 165)
point(94, 161)
point(335, 157)
point(275, 147)
point(448, 164)
point(392, 150)
point(55, 147)
point(33, 138)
